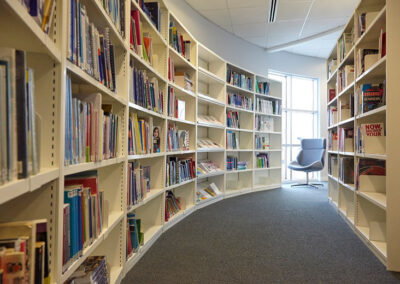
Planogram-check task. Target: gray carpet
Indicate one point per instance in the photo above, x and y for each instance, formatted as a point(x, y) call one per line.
point(278, 236)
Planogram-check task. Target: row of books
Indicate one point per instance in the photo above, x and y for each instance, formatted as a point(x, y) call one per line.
point(134, 234)
point(331, 67)
point(262, 160)
point(346, 107)
point(370, 97)
point(262, 142)
point(239, 101)
point(331, 94)
point(262, 87)
point(370, 167)
point(143, 136)
point(176, 108)
point(85, 214)
point(264, 123)
point(233, 164)
point(177, 41)
point(140, 42)
point(19, 124)
point(232, 119)
point(370, 138)
point(239, 80)
point(153, 11)
point(332, 165)
point(345, 76)
point(207, 143)
point(345, 44)
point(332, 115)
point(365, 58)
point(183, 79)
point(208, 119)
point(346, 139)
point(346, 170)
point(179, 170)
point(171, 69)
point(24, 252)
point(332, 140)
point(363, 22)
point(92, 270)
point(205, 191)
point(173, 205)
point(116, 10)
point(268, 106)
point(177, 140)
point(138, 183)
point(232, 140)
point(42, 11)
point(145, 91)
point(90, 48)
point(92, 131)
point(206, 167)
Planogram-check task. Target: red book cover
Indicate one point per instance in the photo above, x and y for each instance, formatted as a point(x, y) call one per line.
point(176, 108)
point(383, 44)
point(332, 94)
point(136, 16)
point(183, 45)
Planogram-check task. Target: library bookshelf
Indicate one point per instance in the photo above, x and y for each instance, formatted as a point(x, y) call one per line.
point(368, 203)
point(42, 195)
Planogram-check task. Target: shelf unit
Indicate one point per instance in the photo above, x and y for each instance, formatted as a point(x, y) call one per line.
point(41, 196)
point(370, 208)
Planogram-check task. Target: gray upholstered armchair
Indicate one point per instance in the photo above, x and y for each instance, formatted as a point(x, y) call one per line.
point(311, 158)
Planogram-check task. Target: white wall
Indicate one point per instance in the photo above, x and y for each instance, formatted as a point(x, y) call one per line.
point(252, 57)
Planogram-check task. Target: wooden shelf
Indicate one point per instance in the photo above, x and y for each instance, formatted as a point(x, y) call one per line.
point(208, 99)
point(267, 114)
point(268, 96)
point(376, 111)
point(239, 109)
point(238, 129)
point(183, 121)
point(180, 90)
point(208, 150)
point(208, 77)
point(211, 125)
point(134, 106)
point(236, 88)
point(213, 174)
point(376, 198)
point(346, 121)
point(77, 168)
point(372, 156)
point(143, 64)
point(179, 60)
point(154, 193)
point(145, 156)
point(376, 71)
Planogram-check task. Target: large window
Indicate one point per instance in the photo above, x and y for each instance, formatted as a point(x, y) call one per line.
point(300, 118)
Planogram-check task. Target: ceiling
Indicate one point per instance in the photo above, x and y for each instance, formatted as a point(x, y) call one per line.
point(301, 26)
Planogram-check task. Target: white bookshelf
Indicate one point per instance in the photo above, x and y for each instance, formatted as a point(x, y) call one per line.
point(371, 210)
point(41, 196)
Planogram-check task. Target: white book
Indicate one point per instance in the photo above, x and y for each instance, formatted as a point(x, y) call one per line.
point(181, 110)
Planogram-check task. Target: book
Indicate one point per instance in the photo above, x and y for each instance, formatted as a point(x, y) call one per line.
point(239, 101)
point(268, 106)
point(154, 13)
point(232, 140)
point(172, 205)
point(140, 134)
point(232, 119)
point(345, 76)
point(370, 136)
point(262, 87)
point(234, 164)
point(372, 97)
point(239, 80)
point(156, 139)
point(184, 80)
point(207, 167)
point(207, 143)
point(206, 190)
point(262, 160)
point(346, 170)
point(332, 94)
point(176, 41)
point(138, 182)
point(208, 119)
point(370, 167)
point(179, 170)
point(135, 236)
point(92, 270)
point(262, 142)
point(181, 114)
point(264, 123)
point(177, 139)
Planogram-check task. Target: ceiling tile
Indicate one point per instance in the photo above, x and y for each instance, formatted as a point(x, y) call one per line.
point(323, 9)
point(250, 30)
point(207, 4)
point(249, 15)
point(289, 11)
point(245, 3)
point(219, 17)
point(260, 41)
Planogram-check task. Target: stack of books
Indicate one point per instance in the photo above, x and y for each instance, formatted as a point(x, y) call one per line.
point(207, 143)
point(179, 170)
point(177, 140)
point(208, 119)
point(138, 183)
point(145, 91)
point(85, 214)
point(24, 252)
point(134, 234)
point(207, 167)
point(239, 80)
point(89, 48)
point(92, 270)
point(239, 101)
point(19, 124)
point(92, 130)
point(206, 191)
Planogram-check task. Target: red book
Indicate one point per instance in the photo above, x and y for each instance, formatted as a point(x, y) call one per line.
point(183, 45)
point(383, 44)
point(332, 94)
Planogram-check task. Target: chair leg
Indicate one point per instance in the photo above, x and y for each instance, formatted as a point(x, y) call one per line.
point(313, 185)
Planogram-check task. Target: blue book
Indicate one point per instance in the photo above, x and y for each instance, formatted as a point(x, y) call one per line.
point(69, 198)
point(79, 213)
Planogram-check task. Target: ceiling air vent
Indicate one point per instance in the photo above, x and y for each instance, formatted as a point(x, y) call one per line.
point(273, 9)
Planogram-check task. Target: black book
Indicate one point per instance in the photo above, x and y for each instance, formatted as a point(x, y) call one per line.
point(154, 12)
point(112, 66)
point(22, 115)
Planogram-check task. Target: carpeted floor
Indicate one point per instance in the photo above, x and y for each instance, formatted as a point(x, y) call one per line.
point(278, 236)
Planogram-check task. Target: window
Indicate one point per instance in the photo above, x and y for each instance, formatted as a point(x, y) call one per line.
point(300, 118)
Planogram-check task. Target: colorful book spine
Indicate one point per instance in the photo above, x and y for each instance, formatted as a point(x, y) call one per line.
point(179, 170)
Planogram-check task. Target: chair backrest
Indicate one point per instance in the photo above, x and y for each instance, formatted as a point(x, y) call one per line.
point(312, 150)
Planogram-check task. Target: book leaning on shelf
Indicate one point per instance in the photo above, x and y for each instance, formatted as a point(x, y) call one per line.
point(179, 170)
point(177, 41)
point(42, 11)
point(346, 170)
point(332, 115)
point(88, 47)
point(370, 138)
point(262, 87)
point(345, 76)
point(268, 106)
point(332, 165)
point(19, 124)
point(24, 252)
point(346, 139)
point(232, 119)
point(262, 160)
point(134, 234)
point(232, 140)
point(92, 270)
point(332, 141)
point(331, 67)
point(141, 42)
point(116, 10)
point(370, 97)
point(184, 80)
point(239, 80)
point(207, 143)
point(92, 131)
point(345, 44)
point(143, 136)
point(138, 183)
point(239, 101)
point(145, 91)
point(205, 192)
point(208, 119)
point(173, 205)
point(371, 172)
point(264, 123)
point(85, 214)
point(171, 70)
point(207, 167)
point(262, 142)
point(177, 140)
point(176, 108)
